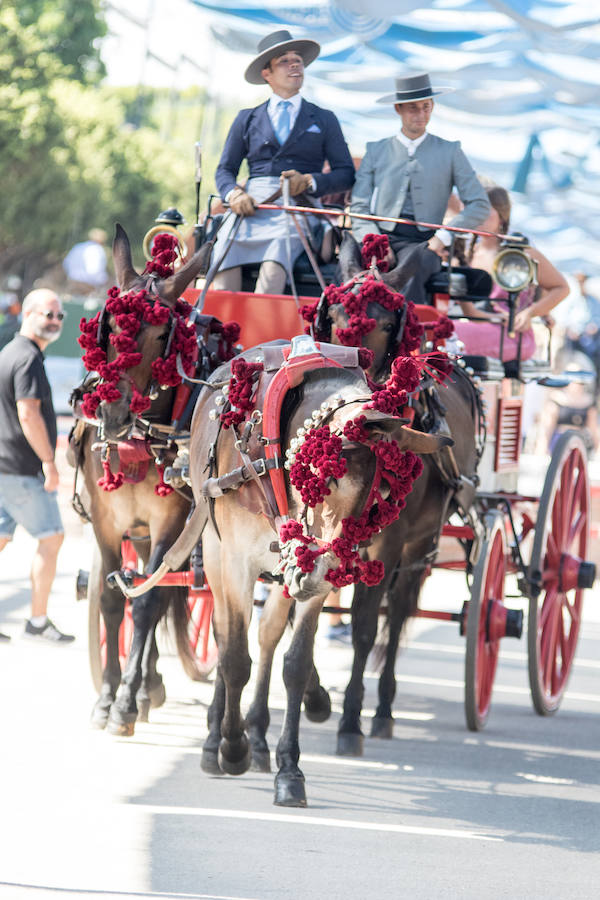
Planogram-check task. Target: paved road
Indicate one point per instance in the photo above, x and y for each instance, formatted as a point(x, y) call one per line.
point(435, 813)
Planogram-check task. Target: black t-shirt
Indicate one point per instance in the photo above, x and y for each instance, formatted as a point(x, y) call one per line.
point(22, 376)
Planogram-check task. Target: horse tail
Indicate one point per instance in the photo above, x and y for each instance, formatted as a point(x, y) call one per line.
point(378, 653)
point(180, 611)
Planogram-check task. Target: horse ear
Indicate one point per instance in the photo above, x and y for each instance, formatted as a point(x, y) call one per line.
point(407, 438)
point(350, 258)
point(412, 263)
point(173, 287)
point(121, 250)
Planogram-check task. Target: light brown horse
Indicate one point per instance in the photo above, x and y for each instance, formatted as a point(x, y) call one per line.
point(135, 509)
point(239, 544)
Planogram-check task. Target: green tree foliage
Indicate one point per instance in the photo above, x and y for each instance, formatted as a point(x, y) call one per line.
point(70, 30)
point(71, 159)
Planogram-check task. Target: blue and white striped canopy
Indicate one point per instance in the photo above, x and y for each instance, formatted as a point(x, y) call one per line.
point(526, 88)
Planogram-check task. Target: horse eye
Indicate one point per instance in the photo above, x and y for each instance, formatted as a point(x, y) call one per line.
point(388, 327)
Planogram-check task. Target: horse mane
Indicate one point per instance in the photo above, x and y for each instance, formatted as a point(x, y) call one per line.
point(313, 380)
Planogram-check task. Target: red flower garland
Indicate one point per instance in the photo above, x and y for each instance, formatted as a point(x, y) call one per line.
point(319, 459)
point(130, 310)
point(241, 390)
point(372, 290)
point(375, 245)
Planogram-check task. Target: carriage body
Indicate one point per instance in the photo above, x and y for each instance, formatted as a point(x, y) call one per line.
point(554, 574)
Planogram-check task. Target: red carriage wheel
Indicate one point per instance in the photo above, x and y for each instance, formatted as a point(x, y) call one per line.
point(200, 632)
point(559, 573)
point(486, 622)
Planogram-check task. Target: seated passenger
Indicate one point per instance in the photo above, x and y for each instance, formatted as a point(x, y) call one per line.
point(483, 339)
point(284, 137)
point(411, 176)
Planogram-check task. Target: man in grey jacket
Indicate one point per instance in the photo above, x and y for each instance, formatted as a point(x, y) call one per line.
point(411, 176)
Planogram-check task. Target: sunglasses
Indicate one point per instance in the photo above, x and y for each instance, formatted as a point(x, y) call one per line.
point(52, 315)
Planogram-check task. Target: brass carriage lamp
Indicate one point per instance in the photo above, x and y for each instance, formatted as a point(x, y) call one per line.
point(167, 223)
point(513, 270)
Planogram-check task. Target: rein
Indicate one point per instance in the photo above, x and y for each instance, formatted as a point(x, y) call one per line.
point(330, 211)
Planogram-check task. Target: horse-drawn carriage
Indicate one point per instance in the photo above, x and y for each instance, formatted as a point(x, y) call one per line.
point(542, 540)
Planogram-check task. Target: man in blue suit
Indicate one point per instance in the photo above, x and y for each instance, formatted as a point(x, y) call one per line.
point(284, 138)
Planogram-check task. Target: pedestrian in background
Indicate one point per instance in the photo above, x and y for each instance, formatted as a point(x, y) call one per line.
point(85, 264)
point(28, 473)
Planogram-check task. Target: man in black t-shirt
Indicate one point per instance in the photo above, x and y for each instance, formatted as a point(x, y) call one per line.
point(28, 473)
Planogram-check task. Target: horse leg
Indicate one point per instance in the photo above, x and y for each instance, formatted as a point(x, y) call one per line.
point(317, 702)
point(210, 750)
point(365, 609)
point(402, 603)
point(146, 611)
point(271, 626)
point(151, 693)
point(112, 606)
point(235, 664)
point(298, 666)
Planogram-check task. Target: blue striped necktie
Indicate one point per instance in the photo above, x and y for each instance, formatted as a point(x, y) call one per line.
point(283, 121)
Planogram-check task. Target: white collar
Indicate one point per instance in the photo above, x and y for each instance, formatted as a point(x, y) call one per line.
point(296, 100)
point(411, 145)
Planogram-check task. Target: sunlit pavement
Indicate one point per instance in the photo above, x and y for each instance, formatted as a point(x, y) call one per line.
point(93, 815)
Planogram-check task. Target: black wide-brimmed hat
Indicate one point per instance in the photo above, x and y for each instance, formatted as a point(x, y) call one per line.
point(413, 87)
point(276, 44)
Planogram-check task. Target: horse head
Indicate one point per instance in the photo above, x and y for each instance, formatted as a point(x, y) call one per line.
point(332, 319)
point(134, 337)
point(356, 487)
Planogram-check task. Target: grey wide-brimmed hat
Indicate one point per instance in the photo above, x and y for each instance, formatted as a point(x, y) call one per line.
point(413, 87)
point(276, 44)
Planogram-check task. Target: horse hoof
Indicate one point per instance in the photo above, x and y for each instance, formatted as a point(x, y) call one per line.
point(209, 762)
point(143, 709)
point(99, 717)
point(158, 695)
point(349, 744)
point(289, 790)
point(121, 724)
point(235, 762)
point(261, 761)
point(120, 729)
point(382, 728)
point(317, 705)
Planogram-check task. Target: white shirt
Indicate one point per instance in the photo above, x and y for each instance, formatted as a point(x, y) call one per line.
point(273, 110)
point(411, 146)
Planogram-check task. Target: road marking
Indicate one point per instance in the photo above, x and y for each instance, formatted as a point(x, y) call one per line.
point(142, 895)
point(301, 819)
point(543, 779)
point(504, 654)
point(498, 688)
point(537, 748)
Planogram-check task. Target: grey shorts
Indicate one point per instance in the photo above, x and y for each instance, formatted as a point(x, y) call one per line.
point(23, 501)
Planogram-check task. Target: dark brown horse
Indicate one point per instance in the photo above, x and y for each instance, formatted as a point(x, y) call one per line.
point(142, 509)
point(407, 547)
point(240, 543)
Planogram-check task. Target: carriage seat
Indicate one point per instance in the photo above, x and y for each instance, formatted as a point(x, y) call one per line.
point(492, 369)
point(461, 282)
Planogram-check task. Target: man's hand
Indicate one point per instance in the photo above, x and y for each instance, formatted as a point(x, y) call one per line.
point(437, 247)
point(241, 203)
point(50, 476)
point(299, 184)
